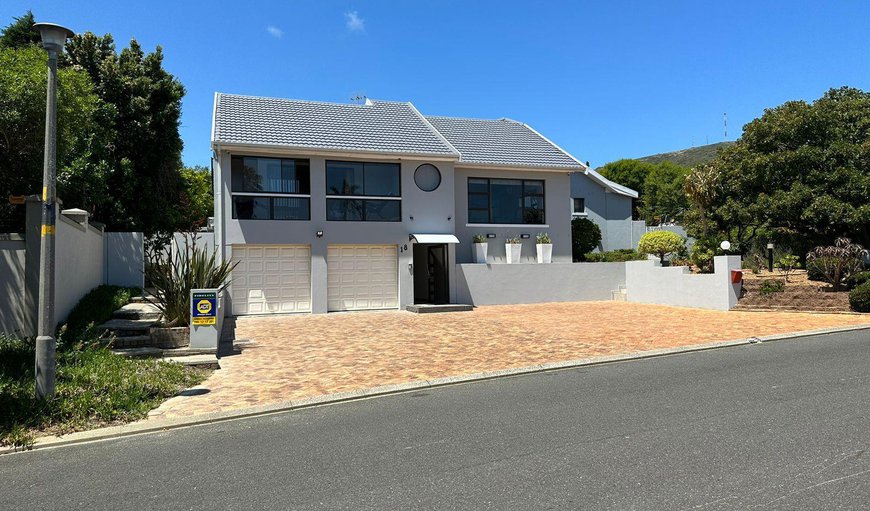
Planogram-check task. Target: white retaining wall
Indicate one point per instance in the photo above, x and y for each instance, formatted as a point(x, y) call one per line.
point(497, 284)
point(647, 282)
point(125, 259)
point(80, 263)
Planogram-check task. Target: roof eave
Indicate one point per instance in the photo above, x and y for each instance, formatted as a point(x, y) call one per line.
point(329, 151)
point(519, 167)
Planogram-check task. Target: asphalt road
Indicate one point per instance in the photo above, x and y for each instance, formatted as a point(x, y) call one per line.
point(784, 425)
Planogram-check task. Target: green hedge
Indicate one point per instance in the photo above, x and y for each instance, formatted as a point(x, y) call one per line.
point(94, 308)
point(858, 279)
point(859, 298)
point(614, 256)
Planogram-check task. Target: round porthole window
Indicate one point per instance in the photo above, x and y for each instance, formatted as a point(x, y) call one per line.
point(427, 177)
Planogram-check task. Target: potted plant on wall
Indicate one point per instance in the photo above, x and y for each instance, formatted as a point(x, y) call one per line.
point(545, 248)
point(512, 249)
point(192, 268)
point(480, 248)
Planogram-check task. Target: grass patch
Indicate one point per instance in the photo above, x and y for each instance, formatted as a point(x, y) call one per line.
point(94, 388)
point(94, 308)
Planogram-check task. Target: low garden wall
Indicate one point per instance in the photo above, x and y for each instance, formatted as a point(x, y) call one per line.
point(648, 282)
point(502, 284)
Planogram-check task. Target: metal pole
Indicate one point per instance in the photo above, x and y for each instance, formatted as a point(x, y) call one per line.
point(770, 259)
point(45, 342)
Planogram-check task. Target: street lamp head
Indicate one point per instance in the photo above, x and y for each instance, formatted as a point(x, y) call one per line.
point(53, 36)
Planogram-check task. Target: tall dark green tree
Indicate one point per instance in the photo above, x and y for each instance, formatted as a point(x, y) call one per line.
point(145, 179)
point(659, 186)
point(20, 33)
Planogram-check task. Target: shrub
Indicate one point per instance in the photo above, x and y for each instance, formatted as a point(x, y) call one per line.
point(94, 308)
point(788, 264)
point(543, 238)
point(835, 264)
point(661, 243)
point(614, 256)
point(858, 278)
point(193, 268)
point(859, 298)
point(479, 238)
point(772, 286)
point(702, 257)
point(512, 240)
point(585, 237)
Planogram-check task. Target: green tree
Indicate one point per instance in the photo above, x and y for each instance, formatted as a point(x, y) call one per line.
point(145, 180)
point(197, 201)
point(80, 127)
point(663, 196)
point(20, 33)
point(798, 174)
point(627, 172)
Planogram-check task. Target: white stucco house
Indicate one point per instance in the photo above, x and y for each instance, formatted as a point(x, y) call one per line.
point(338, 207)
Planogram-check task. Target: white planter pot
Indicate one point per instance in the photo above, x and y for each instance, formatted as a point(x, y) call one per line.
point(480, 250)
point(512, 252)
point(545, 253)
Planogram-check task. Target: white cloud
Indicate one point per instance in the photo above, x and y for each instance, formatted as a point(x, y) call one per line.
point(274, 31)
point(354, 22)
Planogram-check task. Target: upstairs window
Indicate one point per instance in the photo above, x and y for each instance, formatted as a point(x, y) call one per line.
point(363, 192)
point(505, 201)
point(271, 188)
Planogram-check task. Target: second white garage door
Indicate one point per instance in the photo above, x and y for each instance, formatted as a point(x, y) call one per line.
point(362, 277)
point(271, 279)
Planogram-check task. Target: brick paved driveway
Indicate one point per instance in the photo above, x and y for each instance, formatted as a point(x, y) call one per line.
point(299, 356)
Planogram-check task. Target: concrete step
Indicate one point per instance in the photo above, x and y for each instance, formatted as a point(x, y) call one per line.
point(131, 341)
point(137, 311)
point(152, 352)
point(127, 327)
point(206, 360)
point(447, 307)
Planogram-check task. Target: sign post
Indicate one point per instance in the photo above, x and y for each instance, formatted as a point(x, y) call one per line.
point(205, 318)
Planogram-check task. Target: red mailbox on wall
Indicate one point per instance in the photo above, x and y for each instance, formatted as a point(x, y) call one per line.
point(736, 276)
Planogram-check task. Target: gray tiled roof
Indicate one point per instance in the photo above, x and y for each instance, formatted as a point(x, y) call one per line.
point(381, 126)
point(502, 142)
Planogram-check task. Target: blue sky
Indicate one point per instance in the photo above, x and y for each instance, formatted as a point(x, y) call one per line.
point(604, 80)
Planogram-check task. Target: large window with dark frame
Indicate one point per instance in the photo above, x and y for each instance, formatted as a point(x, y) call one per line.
point(505, 201)
point(271, 188)
point(363, 192)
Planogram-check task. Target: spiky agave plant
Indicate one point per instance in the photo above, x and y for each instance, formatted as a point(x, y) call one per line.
point(191, 268)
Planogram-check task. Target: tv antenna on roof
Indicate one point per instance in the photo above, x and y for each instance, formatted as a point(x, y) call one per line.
point(358, 98)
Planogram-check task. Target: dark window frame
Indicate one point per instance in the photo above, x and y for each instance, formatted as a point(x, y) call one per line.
point(268, 195)
point(271, 199)
point(362, 194)
point(489, 201)
point(574, 205)
point(362, 197)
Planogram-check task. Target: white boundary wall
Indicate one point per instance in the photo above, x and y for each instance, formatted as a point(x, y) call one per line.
point(647, 282)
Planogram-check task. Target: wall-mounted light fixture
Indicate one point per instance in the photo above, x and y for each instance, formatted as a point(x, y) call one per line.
point(525, 236)
point(319, 234)
point(490, 235)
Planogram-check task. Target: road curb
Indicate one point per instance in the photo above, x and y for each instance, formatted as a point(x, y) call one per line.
point(158, 425)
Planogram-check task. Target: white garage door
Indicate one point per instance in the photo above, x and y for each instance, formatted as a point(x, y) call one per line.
point(271, 279)
point(361, 277)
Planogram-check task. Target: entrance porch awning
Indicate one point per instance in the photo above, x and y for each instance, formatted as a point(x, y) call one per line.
point(433, 238)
